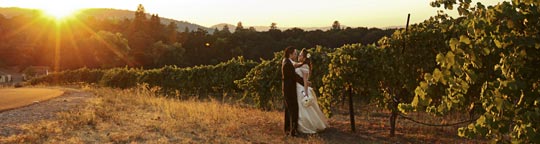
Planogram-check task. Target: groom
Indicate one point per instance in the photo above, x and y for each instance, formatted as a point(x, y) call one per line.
point(289, 79)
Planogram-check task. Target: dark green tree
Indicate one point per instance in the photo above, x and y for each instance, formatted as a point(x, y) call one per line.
point(336, 25)
point(239, 27)
point(273, 26)
point(172, 33)
point(226, 29)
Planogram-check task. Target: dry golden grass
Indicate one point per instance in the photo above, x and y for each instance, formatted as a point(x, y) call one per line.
point(140, 116)
point(17, 97)
point(137, 115)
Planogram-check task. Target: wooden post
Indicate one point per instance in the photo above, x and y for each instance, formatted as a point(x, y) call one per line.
point(393, 119)
point(395, 103)
point(407, 26)
point(351, 110)
point(406, 29)
point(343, 97)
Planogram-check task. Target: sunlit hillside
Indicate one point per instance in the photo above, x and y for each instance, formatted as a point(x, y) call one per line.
point(105, 13)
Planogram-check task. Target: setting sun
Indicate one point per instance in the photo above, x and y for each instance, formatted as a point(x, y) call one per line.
point(59, 12)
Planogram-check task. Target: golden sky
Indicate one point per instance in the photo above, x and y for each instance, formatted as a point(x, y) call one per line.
point(286, 13)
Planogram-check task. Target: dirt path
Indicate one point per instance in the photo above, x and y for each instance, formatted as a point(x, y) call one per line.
point(12, 98)
point(11, 120)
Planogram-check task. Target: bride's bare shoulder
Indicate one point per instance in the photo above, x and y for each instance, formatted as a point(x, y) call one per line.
point(305, 68)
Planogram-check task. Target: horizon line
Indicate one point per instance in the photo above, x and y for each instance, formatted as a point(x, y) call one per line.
point(212, 26)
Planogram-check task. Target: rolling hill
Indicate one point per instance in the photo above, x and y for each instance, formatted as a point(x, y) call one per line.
point(104, 13)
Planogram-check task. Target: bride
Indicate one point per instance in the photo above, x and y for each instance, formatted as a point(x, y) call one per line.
point(311, 119)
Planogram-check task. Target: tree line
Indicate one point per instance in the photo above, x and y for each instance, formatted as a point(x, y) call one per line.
point(35, 39)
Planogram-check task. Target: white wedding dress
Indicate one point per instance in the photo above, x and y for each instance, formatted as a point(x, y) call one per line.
point(310, 119)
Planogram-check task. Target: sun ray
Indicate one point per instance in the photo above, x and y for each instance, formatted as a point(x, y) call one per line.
point(57, 45)
point(31, 41)
point(22, 28)
point(34, 40)
point(107, 45)
point(40, 34)
point(72, 42)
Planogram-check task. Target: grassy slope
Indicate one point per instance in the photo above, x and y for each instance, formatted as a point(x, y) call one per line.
point(140, 116)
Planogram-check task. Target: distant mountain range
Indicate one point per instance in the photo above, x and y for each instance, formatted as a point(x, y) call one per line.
point(107, 13)
point(266, 28)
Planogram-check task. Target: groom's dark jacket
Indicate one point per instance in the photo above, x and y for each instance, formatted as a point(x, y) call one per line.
point(290, 78)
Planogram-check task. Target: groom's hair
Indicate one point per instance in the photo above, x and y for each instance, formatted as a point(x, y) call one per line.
point(288, 51)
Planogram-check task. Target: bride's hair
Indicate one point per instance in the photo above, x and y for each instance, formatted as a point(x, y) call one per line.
point(307, 60)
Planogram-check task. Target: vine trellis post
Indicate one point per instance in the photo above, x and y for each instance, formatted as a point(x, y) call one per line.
point(351, 109)
point(395, 101)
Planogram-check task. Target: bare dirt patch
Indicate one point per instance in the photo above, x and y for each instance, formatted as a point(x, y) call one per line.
point(12, 120)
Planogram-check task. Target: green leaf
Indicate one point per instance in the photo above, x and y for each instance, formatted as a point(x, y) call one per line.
point(437, 75)
point(423, 85)
point(499, 103)
point(471, 76)
point(415, 102)
point(485, 51)
point(445, 73)
point(439, 58)
point(481, 121)
point(428, 77)
point(497, 43)
point(450, 59)
point(464, 39)
point(404, 108)
point(453, 43)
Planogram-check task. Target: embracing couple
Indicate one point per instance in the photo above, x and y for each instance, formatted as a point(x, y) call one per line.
point(302, 112)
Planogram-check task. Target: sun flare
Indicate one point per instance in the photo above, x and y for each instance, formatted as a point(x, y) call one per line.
point(59, 12)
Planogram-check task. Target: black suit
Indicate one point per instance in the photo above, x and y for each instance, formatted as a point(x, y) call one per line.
point(289, 80)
